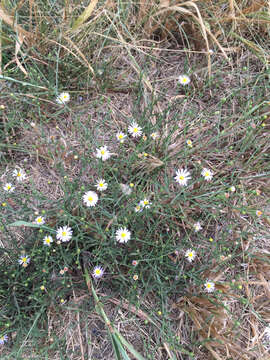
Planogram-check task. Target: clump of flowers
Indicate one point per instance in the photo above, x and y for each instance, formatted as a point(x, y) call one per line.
point(121, 136)
point(103, 153)
point(98, 272)
point(101, 185)
point(197, 226)
point(64, 234)
point(190, 255)
point(182, 176)
point(184, 79)
point(9, 187)
point(20, 175)
point(207, 174)
point(123, 235)
point(47, 240)
point(90, 198)
point(63, 98)
point(24, 260)
point(39, 220)
point(209, 286)
point(3, 339)
point(135, 130)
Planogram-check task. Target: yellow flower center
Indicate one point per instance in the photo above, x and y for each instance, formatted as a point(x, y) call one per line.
point(19, 174)
point(135, 130)
point(64, 233)
point(24, 259)
point(98, 272)
point(208, 285)
point(181, 177)
point(184, 80)
point(101, 184)
point(39, 220)
point(90, 198)
point(120, 136)
point(206, 174)
point(190, 254)
point(146, 202)
point(48, 240)
point(102, 152)
point(8, 187)
point(123, 235)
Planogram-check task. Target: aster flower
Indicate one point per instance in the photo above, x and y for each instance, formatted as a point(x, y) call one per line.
point(103, 153)
point(207, 174)
point(189, 143)
point(184, 79)
point(63, 98)
point(154, 135)
point(138, 208)
point(145, 203)
point(209, 286)
point(123, 235)
point(182, 176)
point(98, 272)
point(197, 226)
point(190, 255)
point(40, 220)
point(24, 260)
point(121, 136)
point(134, 262)
point(101, 185)
point(3, 339)
point(90, 198)
point(8, 187)
point(20, 174)
point(135, 277)
point(64, 234)
point(47, 240)
point(259, 213)
point(232, 189)
point(135, 130)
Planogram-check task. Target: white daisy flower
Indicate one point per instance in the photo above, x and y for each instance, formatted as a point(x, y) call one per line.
point(103, 153)
point(182, 176)
point(184, 79)
point(126, 189)
point(138, 208)
point(24, 260)
point(197, 226)
point(207, 174)
point(98, 272)
point(121, 136)
point(154, 135)
point(135, 130)
point(145, 203)
point(267, 332)
point(8, 187)
point(20, 174)
point(64, 234)
point(101, 185)
point(232, 189)
point(189, 143)
point(190, 255)
point(209, 286)
point(39, 220)
point(47, 240)
point(63, 98)
point(90, 198)
point(3, 339)
point(123, 235)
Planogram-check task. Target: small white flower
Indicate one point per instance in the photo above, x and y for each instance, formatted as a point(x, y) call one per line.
point(197, 226)
point(154, 135)
point(184, 79)
point(3, 339)
point(63, 98)
point(123, 235)
point(8, 187)
point(145, 203)
point(189, 143)
point(232, 189)
point(90, 198)
point(126, 189)
point(101, 185)
point(24, 260)
point(135, 130)
point(121, 136)
point(267, 332)
point(209, 286)
point(64, 234)
point(98, 272)
point(138, 208)
point(20, 174)
point(190, 255)
point(40, 220)
point(207, 174)
point(103, 153)
point(182, 176)
point(47, 240)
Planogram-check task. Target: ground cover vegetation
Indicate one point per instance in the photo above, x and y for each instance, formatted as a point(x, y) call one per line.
point(134, 179)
